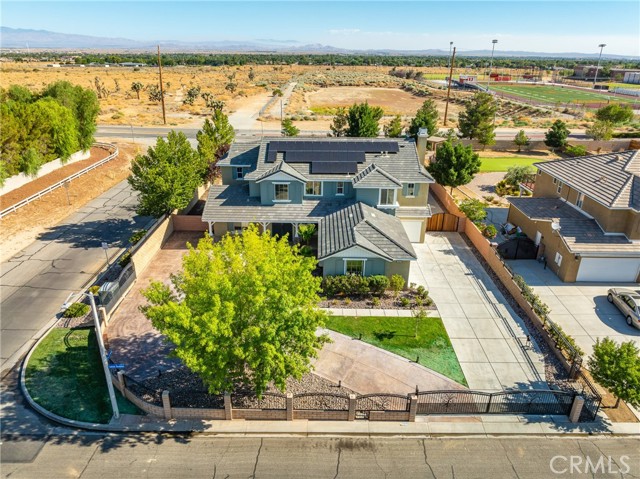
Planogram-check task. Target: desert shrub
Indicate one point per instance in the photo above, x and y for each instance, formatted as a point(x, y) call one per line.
point(503, 189)
point(76, 310)
point(575, 150)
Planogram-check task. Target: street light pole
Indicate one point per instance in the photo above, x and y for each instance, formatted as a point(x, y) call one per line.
point(493, 47)
point(103, 356)
point(595, 77)
point(450, 45)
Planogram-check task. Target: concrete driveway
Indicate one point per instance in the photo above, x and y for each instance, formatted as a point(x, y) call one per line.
point(486, 334)
point(581, 309)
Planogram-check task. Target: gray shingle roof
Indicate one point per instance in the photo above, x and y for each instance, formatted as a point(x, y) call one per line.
point(610, 179)
point(581, 233)
point(284, 168)
point(364, 226)
point(232, 203)
point(241, 154)
point(404, 166)
point(375, 177)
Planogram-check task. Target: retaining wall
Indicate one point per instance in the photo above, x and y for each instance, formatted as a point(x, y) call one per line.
point(147, 247)
point(188, 223)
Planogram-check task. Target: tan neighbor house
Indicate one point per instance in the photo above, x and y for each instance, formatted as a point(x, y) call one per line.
point(584, 216)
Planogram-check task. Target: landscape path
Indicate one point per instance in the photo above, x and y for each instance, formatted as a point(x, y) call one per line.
point(35, 282)
point(486, 334)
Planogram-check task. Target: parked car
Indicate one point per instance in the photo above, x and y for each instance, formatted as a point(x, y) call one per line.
point(628, 302)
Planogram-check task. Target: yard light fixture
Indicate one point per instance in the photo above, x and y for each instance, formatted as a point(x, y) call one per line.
point(103, 353)
point(595, 77)
point(493, 47)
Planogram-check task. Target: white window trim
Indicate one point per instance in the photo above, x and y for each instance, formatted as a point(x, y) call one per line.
point(395, 198)
point(413, 195)
point(559, 188)
point(339, 194)
point(555, 181)
point(580, 200)
point(310, 194)
point(363, 260)
point(240, 170)
point(558, 259)
point(288, 200)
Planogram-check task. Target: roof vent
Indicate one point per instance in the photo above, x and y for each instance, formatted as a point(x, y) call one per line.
point(603, 179)
point(617, 157)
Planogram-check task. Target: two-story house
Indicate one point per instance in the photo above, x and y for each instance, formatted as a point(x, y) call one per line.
point(584, 216)
point(368, 198)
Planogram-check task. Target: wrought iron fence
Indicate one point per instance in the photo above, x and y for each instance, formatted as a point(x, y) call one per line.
point(321, 401)
point(382, 402)
point(267, 401)
point(532, 401)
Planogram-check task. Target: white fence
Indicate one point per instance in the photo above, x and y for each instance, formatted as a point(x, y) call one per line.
point(40, 194)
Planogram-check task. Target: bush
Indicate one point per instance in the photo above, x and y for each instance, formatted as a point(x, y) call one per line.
point(489, 231)
point(94, 289)
point(76, 310)
point(137, 236)
point(125, 259)
point(422, 292)
point(378, 284)
point(503, 189)
point(575, 150)
point(473, 209)
point(375, 302)
point(405, 302)
point(306, 251)
point(396, 283)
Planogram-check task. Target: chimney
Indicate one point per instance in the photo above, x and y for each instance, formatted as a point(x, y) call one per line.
point(421, 144)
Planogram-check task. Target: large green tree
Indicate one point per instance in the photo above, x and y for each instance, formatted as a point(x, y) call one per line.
point(477, 120)
point(557, 135)
point(426, 117)
point(617, 368)
point(455, 165)
point(166, 177)
point(340, 122)
point(363, 120)
point(214, 141)
point(615, 113)
point(247, 311)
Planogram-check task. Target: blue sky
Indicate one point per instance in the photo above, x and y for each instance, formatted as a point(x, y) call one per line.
point(547, 26)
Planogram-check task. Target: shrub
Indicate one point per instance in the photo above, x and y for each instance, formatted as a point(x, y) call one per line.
point(137, 236)
point(76, 310)
point(503, 189)
point(347, 285)
point(378, 284)
point(94, 289)
point(575, 150)
point(125, 259)
point(473, 209)
point(396, 283)
point(375, 302)
point(489, 231)
point(558, 335)
point(405, 302)
point(306, 251)
point(422, 292)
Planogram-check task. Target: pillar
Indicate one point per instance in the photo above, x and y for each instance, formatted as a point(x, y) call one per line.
point(289, 407)
point(228, 408)
point(122, 384)
point(413, 407)
point(576, 409)
point(210, 228)
point(166, 404)
point(352, 407)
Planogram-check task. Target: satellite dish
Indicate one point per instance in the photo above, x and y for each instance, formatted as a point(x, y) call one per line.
point(555, 226)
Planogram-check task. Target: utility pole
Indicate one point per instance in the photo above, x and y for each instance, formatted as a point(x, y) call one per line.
point(446, 108)
point(164, 115)
point(595, 77)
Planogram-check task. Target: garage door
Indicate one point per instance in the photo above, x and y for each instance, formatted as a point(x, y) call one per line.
point(608, 269)
point(413, 229)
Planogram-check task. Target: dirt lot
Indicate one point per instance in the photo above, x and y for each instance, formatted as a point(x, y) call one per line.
point(19, 229)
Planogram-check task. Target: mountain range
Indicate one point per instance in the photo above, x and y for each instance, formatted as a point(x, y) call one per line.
point(26, 39)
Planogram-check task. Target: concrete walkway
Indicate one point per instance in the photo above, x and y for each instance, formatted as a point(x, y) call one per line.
point(485, 332)
point(367, 369)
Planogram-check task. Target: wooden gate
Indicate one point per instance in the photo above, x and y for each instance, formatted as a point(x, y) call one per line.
point(443, 222)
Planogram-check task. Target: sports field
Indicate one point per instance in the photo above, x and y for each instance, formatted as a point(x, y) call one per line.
point(557, 94)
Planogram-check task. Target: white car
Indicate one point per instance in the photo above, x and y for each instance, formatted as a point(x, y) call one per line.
point(628, 302)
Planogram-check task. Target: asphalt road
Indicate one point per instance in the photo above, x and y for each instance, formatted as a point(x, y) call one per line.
point(35, 282)
point(160, 456)
point(138, 133)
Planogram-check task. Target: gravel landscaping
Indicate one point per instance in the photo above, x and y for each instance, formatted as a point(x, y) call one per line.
point(405, 300)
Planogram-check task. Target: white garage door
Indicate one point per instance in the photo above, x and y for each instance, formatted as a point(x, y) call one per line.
point(608, 269)
point(413, 229)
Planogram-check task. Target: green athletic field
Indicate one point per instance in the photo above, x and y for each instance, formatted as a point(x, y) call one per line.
point(557, 94)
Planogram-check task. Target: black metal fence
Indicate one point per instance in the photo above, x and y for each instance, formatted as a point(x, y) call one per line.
point(321, 402)
point(267, 401)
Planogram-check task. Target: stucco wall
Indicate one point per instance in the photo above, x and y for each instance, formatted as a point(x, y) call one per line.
point(267, 192)
point(144, 251)
point(399, 267)
point(421, 195)
point(369, 196)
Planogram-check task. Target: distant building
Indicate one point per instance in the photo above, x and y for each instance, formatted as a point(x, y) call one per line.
point(132, 64)
point(586, 71)
point(632, 76)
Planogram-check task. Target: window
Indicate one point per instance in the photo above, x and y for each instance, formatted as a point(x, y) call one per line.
point(555, 180)
point(580, 200)
point(340, 188)
point(314, 188)
point(560, 185)
point(354, 266)
point(239, 173)
point(539, 171)
point(387, 197)
point(281, 191)
point(411, 190)
point(558, 259)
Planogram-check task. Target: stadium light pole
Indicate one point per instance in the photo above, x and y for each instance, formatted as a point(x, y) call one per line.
point(450, 46)
point(595, 77)
point(491, 63)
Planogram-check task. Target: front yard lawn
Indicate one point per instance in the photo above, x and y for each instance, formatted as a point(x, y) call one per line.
point(502, 163)
point(65, 376)
point(398, 336)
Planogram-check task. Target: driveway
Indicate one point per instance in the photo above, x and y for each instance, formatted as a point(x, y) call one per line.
point(581, 309)
point(487, 336)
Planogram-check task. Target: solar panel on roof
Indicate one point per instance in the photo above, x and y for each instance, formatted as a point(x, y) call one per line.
point(323, 156)
point(334, 167)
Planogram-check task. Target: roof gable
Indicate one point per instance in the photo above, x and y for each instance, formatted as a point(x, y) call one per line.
point(375, 177)
point(280, 169)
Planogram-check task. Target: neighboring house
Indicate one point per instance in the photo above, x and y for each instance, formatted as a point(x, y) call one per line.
point(585, 216)
point(368, 197)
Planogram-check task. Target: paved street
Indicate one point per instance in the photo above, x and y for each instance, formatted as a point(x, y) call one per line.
point(581, 309)
point(485, 332)
point(36, 281)
point(162, 456)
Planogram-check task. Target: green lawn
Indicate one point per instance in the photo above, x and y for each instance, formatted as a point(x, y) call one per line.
point(557, 94)
point(65, 376)
point(502, 163)
point(398, 336)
